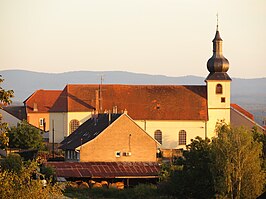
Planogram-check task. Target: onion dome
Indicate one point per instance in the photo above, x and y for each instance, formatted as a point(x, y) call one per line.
point(217, 63)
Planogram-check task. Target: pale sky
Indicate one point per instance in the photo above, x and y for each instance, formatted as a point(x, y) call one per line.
point(166, 37)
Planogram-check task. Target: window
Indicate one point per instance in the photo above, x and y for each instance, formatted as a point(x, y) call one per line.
point(73, 125)
point(223, 99)
point(41, 121)
point(219, 89)
point(158, 136)
point(182, 137)
point(117, 154)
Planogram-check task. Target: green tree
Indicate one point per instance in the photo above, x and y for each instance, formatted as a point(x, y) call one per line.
point(25, 136)
point(12, 163)
point(236, 165)
point(5, 99)
point(21, 185)
point(192, 177)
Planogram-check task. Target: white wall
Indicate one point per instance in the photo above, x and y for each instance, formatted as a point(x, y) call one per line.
point(217, 110)
point(61, 124)
point(170, 130)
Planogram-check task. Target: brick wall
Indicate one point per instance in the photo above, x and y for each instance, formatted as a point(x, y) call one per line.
point(122, 136)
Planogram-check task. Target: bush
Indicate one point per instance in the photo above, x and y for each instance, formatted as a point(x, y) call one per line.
point(12, 163)
point(21, 185)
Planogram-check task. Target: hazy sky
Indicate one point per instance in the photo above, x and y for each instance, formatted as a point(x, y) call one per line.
point(168, 37)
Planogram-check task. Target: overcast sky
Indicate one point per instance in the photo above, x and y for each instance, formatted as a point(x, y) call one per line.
point(167, 37)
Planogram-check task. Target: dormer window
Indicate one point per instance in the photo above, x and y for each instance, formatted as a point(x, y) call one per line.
point(73, 125)
point(219, 89)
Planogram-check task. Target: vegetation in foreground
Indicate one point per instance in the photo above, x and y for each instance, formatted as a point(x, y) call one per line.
point(18, 180)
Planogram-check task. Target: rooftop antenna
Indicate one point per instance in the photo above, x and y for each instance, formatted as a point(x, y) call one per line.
point(217, 21)
point(100, 93)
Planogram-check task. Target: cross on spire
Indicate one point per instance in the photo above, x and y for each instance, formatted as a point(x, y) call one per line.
point(217, 25)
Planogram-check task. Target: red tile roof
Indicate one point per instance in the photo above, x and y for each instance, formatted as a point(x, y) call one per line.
point(44, 100)
point(143, 102)
point(105, 169)
point(243, 111)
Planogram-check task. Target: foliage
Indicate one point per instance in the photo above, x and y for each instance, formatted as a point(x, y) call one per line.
point(12, 163)
point(21, 185)
point(4, 140)
point(194, 180)
point(49, 172)
point(5, 99)
point(141, 191)
point(261, 138)
point(25, 136)
point(5, 95)
point(236, 164)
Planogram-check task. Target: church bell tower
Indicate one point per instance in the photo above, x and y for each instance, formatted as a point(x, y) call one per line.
point(218, 87)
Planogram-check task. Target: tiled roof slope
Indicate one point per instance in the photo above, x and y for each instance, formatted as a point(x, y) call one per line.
point(44, 100)
point(88, 130)
point(17, 111)
point(105, 169)
point(243, 111)
point(143, 102)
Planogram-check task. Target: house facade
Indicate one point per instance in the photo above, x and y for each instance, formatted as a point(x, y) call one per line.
point(37, 107)
point(110, 138)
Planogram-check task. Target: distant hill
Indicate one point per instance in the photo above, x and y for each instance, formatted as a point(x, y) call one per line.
point(249, 93)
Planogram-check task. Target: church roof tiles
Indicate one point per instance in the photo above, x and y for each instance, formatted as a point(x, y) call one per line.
point(143, 102)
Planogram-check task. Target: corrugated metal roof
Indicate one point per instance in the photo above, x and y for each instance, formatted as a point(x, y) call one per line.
point(105, 169)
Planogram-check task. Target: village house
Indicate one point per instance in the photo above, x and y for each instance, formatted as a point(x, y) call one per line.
point(110, 138)
point(36, 108)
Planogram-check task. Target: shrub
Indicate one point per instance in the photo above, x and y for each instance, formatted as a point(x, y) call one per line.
point(12, 163)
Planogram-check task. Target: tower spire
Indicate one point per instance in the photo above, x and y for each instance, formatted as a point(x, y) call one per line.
point(217, 65)
point(217, 22)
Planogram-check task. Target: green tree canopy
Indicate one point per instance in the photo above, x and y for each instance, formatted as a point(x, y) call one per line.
point(12, 163)
point(236, 159)
point(193, 177)
point(5, 99)
point(25, 136)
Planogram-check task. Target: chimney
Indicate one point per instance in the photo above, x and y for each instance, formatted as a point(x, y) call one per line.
point(95, 117)
point(109, 118)
point(35, 107)
point(115, 109)
point(125, 111)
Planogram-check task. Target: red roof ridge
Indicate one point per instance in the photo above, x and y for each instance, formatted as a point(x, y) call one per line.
point(243, 111)
point(161, 85)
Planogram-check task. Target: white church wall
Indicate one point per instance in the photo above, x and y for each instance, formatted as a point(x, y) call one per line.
point(170, 131)
point(62, 123)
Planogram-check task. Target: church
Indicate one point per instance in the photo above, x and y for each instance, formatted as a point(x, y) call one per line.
point(171, 114)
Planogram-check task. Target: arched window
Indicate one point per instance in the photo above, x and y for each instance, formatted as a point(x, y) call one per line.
point(219, 89)
point(182, 137)
point(158, 136)
point(73, 125)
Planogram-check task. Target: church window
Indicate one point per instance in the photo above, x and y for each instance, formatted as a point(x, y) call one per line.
point(158, 136)
point(182, 137)
point(73, 125)
point(219, 89)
